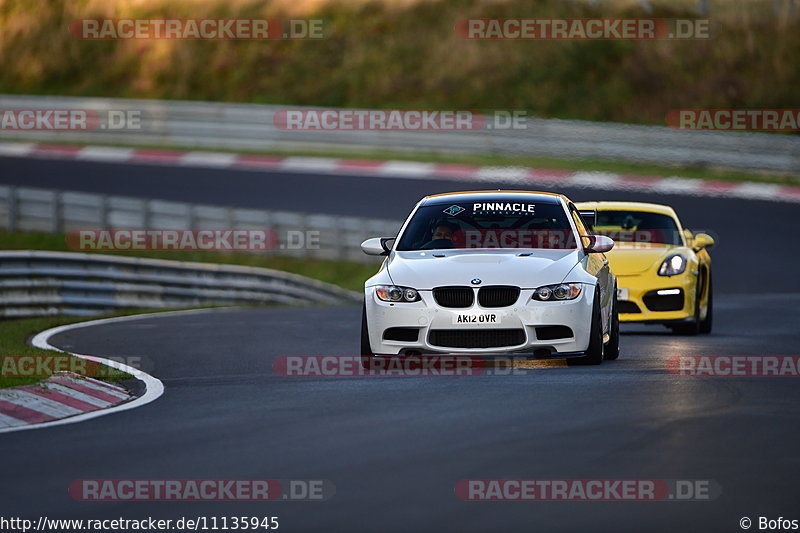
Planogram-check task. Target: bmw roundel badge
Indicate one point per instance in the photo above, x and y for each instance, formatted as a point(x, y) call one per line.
point(476, 281)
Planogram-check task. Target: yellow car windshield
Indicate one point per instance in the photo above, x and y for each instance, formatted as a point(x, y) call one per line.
point(638, 227)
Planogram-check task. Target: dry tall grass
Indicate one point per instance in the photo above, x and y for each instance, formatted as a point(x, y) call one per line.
point(405, 53)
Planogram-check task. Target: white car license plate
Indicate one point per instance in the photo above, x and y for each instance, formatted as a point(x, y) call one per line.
point(622, 294)
point(476, 318)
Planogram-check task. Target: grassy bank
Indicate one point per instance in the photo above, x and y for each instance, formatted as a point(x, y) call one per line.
point(406, 54)
point(14, 336)
point(349, 275)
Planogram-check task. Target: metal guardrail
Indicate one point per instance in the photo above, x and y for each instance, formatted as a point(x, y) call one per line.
point(38, 283)
point(34, 283)
point(339, 237)
point(251, 127)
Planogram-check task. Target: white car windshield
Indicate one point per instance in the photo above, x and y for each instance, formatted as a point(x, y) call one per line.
point(493, 223)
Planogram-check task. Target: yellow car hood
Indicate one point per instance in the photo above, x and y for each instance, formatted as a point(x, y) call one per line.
point(627, 259)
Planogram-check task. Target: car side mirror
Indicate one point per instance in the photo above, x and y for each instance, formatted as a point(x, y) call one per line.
point(702, 240)
point(596, 244)
point(378, 245)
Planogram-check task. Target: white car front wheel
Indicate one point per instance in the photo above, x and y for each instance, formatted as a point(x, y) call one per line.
point(594, 353)
point(367, 357)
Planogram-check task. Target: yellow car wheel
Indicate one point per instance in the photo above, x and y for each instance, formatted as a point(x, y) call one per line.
point(611, 351)
point(691, 327)
point(707, 322)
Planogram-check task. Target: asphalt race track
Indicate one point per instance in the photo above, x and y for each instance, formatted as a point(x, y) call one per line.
point(395, 447)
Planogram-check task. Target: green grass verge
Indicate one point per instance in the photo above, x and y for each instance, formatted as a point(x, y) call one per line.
point(349, 275)
point(15, 335)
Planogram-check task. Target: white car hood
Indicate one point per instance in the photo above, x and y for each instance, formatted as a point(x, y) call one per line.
point(422, 270)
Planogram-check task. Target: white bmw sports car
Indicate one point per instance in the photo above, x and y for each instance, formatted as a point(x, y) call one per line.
point(492, 272)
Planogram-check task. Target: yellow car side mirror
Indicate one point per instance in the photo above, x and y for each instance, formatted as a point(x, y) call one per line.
point(702, 240)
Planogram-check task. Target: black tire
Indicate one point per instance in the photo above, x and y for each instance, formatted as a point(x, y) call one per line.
point(367, 357)
point(692, 327)
point(594, 353)
point(611, 351)
point(707, 323)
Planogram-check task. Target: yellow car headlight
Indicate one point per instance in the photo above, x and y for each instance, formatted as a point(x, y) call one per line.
point(673, 265)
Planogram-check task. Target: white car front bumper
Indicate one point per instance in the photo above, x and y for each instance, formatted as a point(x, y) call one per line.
point(438, 328)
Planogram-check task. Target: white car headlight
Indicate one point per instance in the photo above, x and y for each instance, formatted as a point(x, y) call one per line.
point(393, 293)
point(562, 291)
point(673, 265)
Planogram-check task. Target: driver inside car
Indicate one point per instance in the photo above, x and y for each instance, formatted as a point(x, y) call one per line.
point(442, 236)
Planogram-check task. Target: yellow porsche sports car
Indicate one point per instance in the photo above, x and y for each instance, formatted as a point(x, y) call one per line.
point(663, 271)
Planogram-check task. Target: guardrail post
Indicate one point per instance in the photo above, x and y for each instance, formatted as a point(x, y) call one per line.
point(304, 228)
point(148, 214)
point(13, 209)
point(57, 222)
point(338, 237)
point(266, 225)
point(104, 211)
point(228, 218)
